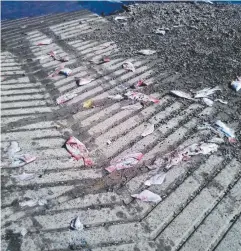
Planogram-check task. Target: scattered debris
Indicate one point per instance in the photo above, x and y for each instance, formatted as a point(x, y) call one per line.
point(236, 84)
point(83, 81)
point(101, 61)
point(216, 140)
point(78, 150)
point(177, 156)
point(33, 203)
point(54, 55)
point(137, 106)
point(124, 162)
point(56, 71)
point(75, 224)
point(147, 196)
point(28, 203)
point(66, 97)
point(13, 148)
point(208, 101)
point(22, 160)
point(121, 18)
point(24, 176)
point(144, 83)
point(23, 231)
point(207, 92)
point(160, 31)
point(157, 179)
point(148, 130)
point(65, 71)
point(226, 130)
point(147, 52)
point(221, 101)
point(182, 94)
point(108, 142)
point(129, 66)
point(45, 42)
point(117, 97)
point(141, 97)
point(88, 104)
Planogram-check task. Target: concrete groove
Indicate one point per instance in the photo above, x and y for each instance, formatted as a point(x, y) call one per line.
point(113, 220)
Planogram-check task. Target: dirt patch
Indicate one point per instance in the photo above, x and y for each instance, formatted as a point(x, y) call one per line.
point(201, 43)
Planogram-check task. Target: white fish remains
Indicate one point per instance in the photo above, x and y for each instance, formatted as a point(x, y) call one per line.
point(83, 81)
point(157, 179)
point(148, 130)
point(208, 101)
point(225, 129)
point(75, 224)
point(207, 92)
point(129, 66)
point(137, 106)
point(147, 196)
point(181, 94)
point(24, 176)
point(66, 97)
point(147, 52)
point(13, 148)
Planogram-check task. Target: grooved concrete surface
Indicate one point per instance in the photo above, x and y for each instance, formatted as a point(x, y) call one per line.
point(200, 209)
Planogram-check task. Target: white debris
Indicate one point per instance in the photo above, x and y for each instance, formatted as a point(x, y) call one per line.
point(148, 130)
point(13, 148)
point(147, 196)
point(182, 94)
point(236, 84)
point(66, 97)
point(33, 203)
point(24, 176)
point(207, 92)
point(160, 31)
point(216, 140)
point(157, 179)
point(22, 160)
point(83, 81)
point(66, 71)
point(129, 66)
point(116, 97)
point(147, 52)
point(76, 224)
point(108, 142)
point(221, 101)
point(225, 129)
point(45, 42)
point(121, 18)
point(137, 106)
point(28, 203)
point(208, 101)
point(23, 231)
point(42, 202)
point(203, 148)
